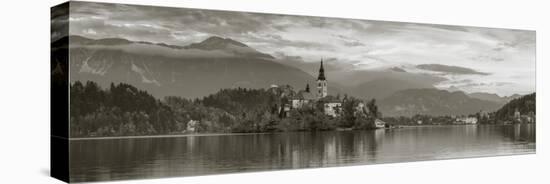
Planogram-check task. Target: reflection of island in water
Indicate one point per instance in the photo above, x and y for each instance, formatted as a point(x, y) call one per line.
point(94, 160)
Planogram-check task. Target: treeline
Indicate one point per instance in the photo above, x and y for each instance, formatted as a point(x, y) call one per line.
point(123, 110)
point(120, 110)
point(421, 119)
point(525, 105)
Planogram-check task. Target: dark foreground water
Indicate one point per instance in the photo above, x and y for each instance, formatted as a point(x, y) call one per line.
point(113, 159)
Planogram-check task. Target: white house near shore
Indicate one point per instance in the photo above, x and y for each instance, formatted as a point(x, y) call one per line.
point(466, 120)
point(192, 126)
point(379, 123)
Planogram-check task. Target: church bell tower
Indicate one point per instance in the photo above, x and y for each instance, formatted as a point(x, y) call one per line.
point(321, 83)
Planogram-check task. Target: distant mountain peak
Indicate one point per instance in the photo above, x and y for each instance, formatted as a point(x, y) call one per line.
point(493, 97)
point(397, 69)
point(229, 45)
point(215, 42)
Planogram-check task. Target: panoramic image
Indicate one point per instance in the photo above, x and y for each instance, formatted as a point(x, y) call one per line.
point(166, 92)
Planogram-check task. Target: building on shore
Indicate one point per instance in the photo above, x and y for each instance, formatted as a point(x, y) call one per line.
point(517, 115)
point(525, 118)
point(466, 120)
point(192, 126)
point(379, 123)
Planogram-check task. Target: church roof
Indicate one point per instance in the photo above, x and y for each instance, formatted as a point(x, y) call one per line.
point(303, 95)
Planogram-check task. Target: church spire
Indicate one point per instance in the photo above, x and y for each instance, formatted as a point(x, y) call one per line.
point(321, 72)
point(322, 83)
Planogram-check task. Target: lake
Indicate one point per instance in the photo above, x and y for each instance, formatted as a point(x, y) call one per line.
point(138, 158)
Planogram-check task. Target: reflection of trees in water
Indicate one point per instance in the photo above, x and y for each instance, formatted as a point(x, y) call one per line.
point(518, 132)
point(379, 135)
point(112, 159)
point(93, 160)
point(524, 132)
point(218, 154)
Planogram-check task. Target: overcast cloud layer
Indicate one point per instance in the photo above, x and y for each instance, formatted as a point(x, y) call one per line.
point(505, 57)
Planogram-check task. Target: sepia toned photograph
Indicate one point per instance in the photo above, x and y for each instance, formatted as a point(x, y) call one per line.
point(168, 92)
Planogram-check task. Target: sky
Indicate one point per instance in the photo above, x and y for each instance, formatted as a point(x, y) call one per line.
point(502, 60)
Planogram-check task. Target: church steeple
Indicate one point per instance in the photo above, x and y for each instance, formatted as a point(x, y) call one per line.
point(321, 83)
point(321, 72)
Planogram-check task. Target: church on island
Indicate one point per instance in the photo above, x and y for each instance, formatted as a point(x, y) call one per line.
point(307, 98)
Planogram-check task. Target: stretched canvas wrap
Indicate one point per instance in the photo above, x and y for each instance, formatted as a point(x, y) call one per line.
point(147, 92)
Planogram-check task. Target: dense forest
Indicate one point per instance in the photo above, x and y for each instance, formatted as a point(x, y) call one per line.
point(525, 105)
point(120, 110)
point(123, 110)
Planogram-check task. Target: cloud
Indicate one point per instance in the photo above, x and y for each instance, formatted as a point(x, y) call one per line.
point(485, 58)
point(355, 44)
point(350, 42)
point(453, 70)
point(59, 22)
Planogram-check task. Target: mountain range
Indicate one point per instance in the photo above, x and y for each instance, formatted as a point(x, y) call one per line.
point(493, 97)
point(436, 102)
point(192, 71)
point(203, 68)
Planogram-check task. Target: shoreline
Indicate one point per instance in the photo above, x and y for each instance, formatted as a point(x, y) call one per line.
point(228, 134)
point(162, 136)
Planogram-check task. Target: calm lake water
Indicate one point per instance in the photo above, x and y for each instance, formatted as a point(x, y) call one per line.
point(113, 159)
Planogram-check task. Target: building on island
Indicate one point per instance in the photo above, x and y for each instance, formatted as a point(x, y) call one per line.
point(303, 98)
point(332, 106)
point(308, 98)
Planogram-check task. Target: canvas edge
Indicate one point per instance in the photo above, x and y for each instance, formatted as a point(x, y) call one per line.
point(59, 93)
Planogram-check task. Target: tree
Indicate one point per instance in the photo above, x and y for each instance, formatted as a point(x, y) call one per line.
point(348, 112)
point(373, 109)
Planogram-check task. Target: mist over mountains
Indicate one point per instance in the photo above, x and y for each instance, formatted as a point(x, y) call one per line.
point(203, 68)
point(191, 72)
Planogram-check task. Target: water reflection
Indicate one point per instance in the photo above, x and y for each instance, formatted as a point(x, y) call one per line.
point(94, 160)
